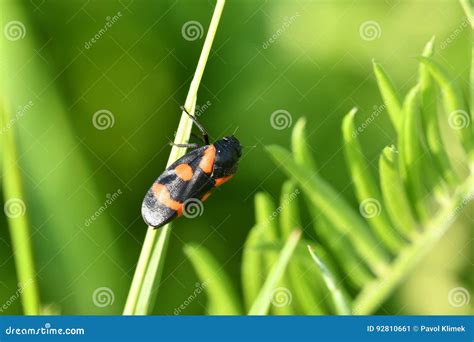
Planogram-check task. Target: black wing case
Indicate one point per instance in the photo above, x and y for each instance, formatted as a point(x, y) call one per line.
point(164, 201)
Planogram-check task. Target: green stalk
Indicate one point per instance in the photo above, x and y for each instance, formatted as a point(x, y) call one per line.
point(15, 211)
point(151, 261)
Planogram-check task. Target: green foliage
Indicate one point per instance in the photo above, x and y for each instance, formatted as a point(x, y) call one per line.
point(405, 221)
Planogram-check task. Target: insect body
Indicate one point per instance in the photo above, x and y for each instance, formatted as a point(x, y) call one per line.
point(193, 176)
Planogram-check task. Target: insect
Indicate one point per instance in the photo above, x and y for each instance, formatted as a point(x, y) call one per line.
point(191, 178)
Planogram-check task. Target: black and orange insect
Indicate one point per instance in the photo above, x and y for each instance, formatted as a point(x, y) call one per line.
point(193, 176)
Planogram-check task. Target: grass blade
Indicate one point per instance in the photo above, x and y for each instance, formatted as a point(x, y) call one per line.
point(365, 186)
point(222, 297)
point(15, 210)
point(340, 303)
point(300, 146)
point(389, 95)
point(289, 208)
point(393, 192)
point(334, 208)
point(150, 264)
point(263, 301)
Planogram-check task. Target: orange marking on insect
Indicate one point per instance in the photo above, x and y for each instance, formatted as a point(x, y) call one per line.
point(163, 196)
point(206, 196)
point(207, 161)
point(222, 180)
point(184, 171)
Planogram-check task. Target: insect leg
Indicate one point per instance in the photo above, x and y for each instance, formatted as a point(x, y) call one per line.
point(205, 136)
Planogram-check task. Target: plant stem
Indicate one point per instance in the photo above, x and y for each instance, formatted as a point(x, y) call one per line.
point(15, 210)
point(150, 264)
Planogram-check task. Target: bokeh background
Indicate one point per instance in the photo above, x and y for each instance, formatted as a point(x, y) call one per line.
point(138, 73)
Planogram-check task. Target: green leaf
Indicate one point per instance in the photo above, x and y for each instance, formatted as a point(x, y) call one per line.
point(389, 95)
point(266, 215)
point(334, 240)
point(454, 103)
point(375, 292)
point(264, 299)
point(410, 153)
point(340, 303)
point(334, 208)
point(289, 208)
point(430, 120)
point(253, 266)
point(222, 297)
point(150, 265)
point(395, 198)
point(16, 211)
point(366, 188)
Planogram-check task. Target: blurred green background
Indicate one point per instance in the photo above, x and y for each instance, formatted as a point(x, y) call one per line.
point(139, 70)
